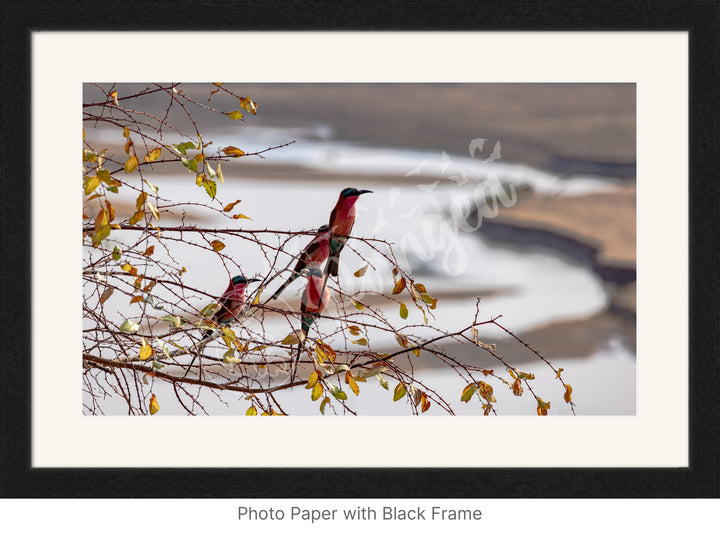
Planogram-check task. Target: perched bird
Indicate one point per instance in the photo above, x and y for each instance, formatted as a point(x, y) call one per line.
point(315, 299)
point(316, 252)
point(231, 302)
point(342, 219)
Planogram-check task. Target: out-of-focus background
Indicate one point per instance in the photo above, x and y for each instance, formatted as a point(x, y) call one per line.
point(520, 194)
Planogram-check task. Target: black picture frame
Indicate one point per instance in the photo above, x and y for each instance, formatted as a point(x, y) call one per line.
point(700, 18)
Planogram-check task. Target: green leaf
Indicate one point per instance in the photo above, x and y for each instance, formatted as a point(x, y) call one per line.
point(210, 187)
point(209, 310)
point(403, 311)
point(116, 253)
point(190, 164)
point(104, 175)
point(129, 326)
point(102, 233)
point(323, 404)
point(399, 392)
point(339, 394)
point(467, 393)
point(383, 382)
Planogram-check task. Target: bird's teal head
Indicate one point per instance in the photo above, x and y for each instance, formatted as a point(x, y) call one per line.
point(239, 279)
point(322, 229)
point(353, 192)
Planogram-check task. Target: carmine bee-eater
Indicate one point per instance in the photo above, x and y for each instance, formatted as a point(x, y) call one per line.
point(315, 299)
point(313, 255)
point(231, 302)
point(342, 219)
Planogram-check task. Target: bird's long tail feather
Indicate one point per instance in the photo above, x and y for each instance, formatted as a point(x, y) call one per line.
point(284, 285)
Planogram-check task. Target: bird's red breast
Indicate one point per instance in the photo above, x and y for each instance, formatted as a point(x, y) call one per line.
point(342, 218)
point(316, 296)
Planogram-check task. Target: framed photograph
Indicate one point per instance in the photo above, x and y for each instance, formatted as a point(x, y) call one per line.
point(401, 251)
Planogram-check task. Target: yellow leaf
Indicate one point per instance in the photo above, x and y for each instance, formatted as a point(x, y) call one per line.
point(416, 351)
point(154, 210)
point(360, 272)
point(248, 104)
point(290, 340)
point(420, 288)
point(351, 382)
point(568, 394)
point(327, 351)
point(131, 164)
point(126, 132)
point(252, 411)
point(256, 300)
point(360, 342)
point(114, 98)
point(354, 330)
point(146, 350)
point(136, 299)
point(235, 114)
point(110, 210)
point(241, 216)
point(317, 391)
point(403, 311)
point(151, 186)
point(487, 372)
point(313, 379)
point(399, 392)
point(101, 220)
point(357, 304)
point(91, 184)
point(399, 286)
point(217, 245)
point(140, 200)
point(128, 144)
point(129, 269)
point(543, 404)
point(153, 154)
point(233, 151)
point(557, 375)
point(220, 176)
point(154, 405)
point(137, 216)
point(231, 206)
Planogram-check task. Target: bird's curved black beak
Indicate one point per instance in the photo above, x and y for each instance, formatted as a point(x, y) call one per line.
point(360, 192)
point(252, 280)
